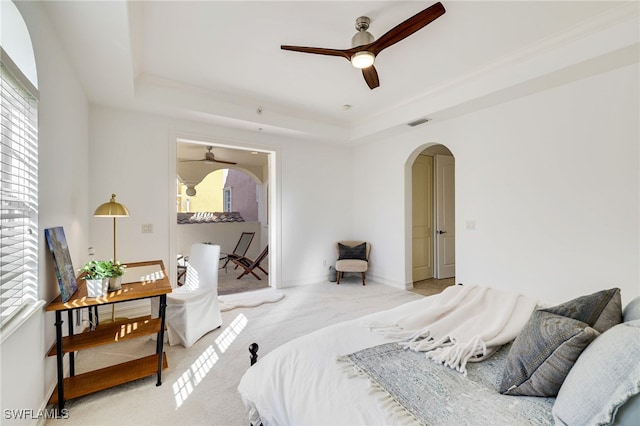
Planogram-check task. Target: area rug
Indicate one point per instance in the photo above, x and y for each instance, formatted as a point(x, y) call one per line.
point(249, 299)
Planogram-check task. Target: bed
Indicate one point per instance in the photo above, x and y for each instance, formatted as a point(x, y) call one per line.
point(308, 381)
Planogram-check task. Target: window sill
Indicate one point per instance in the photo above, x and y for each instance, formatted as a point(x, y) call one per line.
point(17, 321)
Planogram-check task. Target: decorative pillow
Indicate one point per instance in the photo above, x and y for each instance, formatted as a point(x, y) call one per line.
point(356, 252)
point(543, 353)
point(601, 310)
point(549, 344)
point(632, 310)
point(604, 384)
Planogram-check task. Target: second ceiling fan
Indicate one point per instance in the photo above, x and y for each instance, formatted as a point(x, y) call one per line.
point(209, 157)
point(365, 49)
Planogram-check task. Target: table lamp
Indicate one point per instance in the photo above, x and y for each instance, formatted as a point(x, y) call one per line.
point(112, 209)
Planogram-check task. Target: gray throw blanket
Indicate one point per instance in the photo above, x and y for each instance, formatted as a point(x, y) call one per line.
point(417, 390)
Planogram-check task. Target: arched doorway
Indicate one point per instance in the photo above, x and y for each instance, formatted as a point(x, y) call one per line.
point(432, 214)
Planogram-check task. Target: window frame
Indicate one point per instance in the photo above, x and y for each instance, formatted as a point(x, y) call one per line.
point(227, 199)
point(19, 233)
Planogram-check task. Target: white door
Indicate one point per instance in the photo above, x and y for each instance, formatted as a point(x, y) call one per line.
point(445, 231)
point(422, 197)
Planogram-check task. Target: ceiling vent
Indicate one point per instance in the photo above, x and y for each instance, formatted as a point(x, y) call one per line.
point(418, 122)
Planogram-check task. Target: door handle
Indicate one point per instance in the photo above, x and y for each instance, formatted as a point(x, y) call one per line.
point(442, 232)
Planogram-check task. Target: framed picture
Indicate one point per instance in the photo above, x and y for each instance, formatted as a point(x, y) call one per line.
point(62, 259)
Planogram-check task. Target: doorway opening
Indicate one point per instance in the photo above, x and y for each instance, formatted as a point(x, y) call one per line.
point(219, 197)
point(432, 219)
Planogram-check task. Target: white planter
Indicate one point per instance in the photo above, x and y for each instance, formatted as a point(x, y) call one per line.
point(97, 288)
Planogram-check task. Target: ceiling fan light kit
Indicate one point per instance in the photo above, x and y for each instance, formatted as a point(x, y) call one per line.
point(364, 47)
point(362, 59)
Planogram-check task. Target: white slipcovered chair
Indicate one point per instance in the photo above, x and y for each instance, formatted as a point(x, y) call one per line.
point(352, 256)
point(193, 309)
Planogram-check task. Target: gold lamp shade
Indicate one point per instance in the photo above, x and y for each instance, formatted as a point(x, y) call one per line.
point(111, 209)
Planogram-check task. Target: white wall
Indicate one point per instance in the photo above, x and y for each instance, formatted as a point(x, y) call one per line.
point(129, 156)
point(225, 235)
point(551, 180)
point(28, 375)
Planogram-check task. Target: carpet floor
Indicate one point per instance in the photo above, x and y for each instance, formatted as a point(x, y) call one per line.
point(199, 387)
point(228, 282)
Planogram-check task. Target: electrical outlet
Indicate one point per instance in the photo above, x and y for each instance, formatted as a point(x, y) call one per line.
point(324, 262)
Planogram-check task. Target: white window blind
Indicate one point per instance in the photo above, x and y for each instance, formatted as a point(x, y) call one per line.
point(18, 192)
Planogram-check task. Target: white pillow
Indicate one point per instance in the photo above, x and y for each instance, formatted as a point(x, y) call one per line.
point(603, 379)
point(632, 310)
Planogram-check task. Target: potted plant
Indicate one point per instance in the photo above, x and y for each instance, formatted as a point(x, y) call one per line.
point(116, 270)
point(96, 274)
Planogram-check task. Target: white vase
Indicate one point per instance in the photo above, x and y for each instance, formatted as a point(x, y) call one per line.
point(115, 283)
point(97, 288)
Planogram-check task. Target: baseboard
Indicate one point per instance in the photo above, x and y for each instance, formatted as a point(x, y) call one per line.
point(390, 283)
point(369, 277)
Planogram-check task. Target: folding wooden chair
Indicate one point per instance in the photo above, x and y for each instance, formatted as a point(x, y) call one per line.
point(241, 247)
point(249, 265)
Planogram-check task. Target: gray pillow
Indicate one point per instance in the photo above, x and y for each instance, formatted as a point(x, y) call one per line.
point(543, 353)
point(604, 383)
point(601, 310)
point(358, 252)
point(549, 344)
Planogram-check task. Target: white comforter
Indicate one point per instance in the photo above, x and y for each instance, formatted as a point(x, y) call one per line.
point(317, 391)
point(301, 383)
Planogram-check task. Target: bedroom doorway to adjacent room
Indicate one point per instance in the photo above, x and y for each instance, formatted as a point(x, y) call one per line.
point(224, 191)
point(433, 217)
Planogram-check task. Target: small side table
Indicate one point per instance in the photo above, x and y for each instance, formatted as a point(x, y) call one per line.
point(149, 280)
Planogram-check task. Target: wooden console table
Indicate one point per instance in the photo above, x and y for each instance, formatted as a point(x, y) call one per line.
point(148, 279)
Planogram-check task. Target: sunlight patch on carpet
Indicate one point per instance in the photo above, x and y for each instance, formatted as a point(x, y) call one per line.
point(230, 333)
point(195, 374)
point(187, 382)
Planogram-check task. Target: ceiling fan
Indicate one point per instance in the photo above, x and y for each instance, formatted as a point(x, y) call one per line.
point(210, 158)
point(365, 48)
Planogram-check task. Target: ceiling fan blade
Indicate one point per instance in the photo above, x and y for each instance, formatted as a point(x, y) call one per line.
point(189, 161)
point(407, 27)
point(371, 77)
point(211, 158)
point(224, 162)
point(319, 51)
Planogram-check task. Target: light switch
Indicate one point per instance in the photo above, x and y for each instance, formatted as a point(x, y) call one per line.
point(471, 225)
point(147, 228)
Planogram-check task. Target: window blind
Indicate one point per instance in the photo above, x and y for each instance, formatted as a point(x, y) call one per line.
point(18, 192)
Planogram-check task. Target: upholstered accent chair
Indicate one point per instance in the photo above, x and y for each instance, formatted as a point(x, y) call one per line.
point(193, 309)
point(352, 256)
